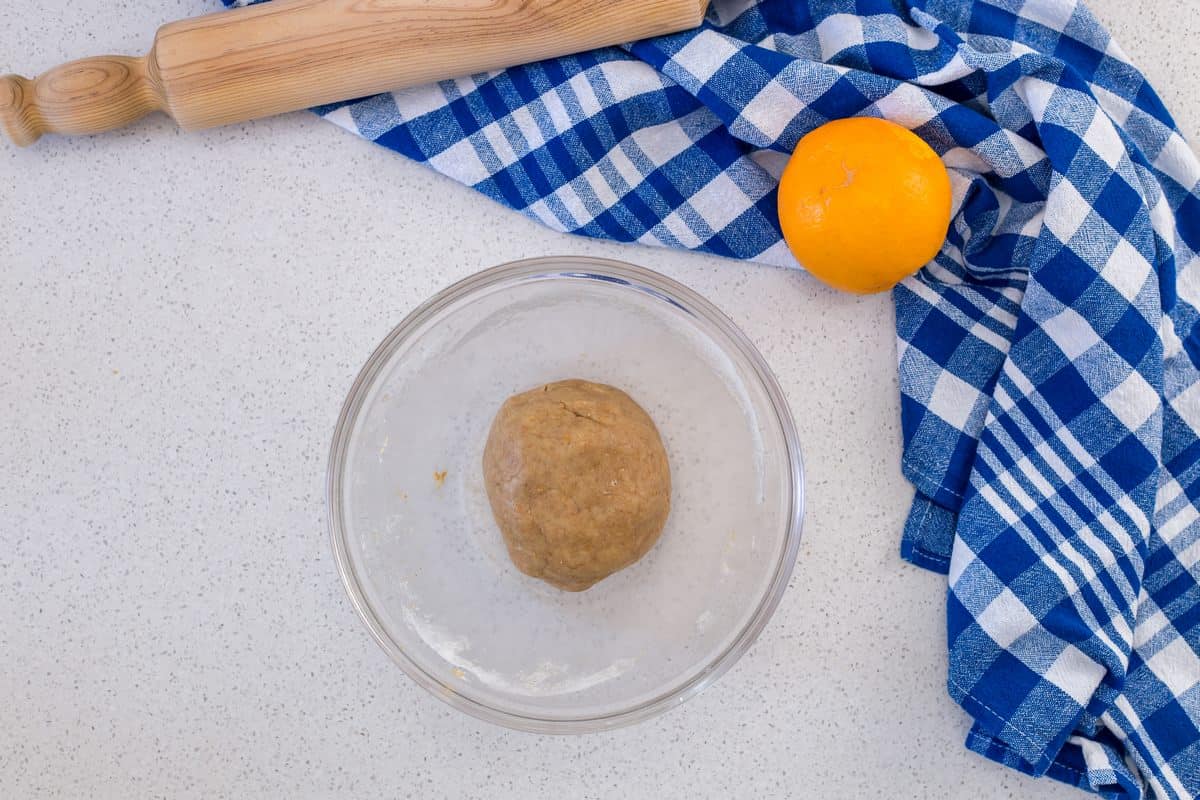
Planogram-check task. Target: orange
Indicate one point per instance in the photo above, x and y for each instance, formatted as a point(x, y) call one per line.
point(864, 203)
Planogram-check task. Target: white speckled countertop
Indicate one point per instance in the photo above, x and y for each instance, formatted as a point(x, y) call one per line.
point(180, 318)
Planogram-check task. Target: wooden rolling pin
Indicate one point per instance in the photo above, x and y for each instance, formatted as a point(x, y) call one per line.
point(286, 55)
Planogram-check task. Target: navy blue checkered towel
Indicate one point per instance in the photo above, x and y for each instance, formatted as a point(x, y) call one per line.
point(1048, 355)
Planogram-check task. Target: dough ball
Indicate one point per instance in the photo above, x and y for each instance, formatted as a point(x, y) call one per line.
point(578, 480)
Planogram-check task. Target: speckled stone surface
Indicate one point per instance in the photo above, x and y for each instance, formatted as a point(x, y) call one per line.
point(180, 318)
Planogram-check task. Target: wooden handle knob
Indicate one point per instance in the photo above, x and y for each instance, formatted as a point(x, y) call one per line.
point(91, 95)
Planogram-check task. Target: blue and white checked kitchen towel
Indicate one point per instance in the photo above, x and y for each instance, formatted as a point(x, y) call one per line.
point(1048, 356)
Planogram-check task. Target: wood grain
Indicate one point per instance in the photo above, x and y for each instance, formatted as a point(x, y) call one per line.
point(291, 54)
point(86, 96)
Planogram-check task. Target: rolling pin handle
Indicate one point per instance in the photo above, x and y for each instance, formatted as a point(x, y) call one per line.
point(91, 95)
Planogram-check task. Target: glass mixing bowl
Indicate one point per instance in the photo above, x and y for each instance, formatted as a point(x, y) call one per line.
point(424, 562)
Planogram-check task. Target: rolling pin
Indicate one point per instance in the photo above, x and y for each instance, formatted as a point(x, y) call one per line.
point(286, 55)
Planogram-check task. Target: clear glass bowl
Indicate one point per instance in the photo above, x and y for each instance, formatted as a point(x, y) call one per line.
point(424, 562)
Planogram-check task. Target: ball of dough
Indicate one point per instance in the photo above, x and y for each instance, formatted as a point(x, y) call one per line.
point(578, 480)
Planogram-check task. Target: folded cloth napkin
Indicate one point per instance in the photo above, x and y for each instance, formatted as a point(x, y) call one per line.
point(1048, 355)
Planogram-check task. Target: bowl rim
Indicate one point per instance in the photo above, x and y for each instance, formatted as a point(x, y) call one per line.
point(571, 267)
